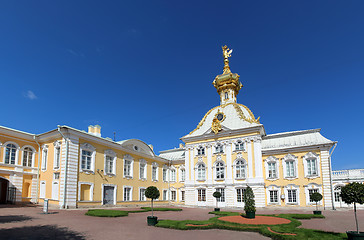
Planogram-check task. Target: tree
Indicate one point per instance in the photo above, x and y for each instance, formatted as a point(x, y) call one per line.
point(216, 195)
point(353, 193)
point(316, 197)
point(152, 193)
point(249, 200)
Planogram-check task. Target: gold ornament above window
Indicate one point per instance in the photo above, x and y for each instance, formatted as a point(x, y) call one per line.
point(216, 125)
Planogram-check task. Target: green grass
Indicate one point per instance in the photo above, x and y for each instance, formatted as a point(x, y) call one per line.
point(301, 233)
point(121, 213)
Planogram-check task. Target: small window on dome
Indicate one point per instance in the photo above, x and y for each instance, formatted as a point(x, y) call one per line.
point(226, 95)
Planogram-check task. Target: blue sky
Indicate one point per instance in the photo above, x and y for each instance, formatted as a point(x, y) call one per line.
point(144, 69)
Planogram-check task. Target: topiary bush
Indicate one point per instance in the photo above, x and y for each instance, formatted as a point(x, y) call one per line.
point(152, 193)
point(216, 195)
point(316, 197)
point(249, 200)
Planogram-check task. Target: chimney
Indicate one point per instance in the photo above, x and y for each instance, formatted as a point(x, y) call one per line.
point(94, 130)
point(91, 129)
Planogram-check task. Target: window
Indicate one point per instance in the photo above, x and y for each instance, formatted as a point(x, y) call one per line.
point(183, 175)
point(55, 190)
point(10, 153)
point(164, 173)
point(290, 171)
point(240, 194)
point(42, 189)
point(219, 148)
point(173, 195)
point(154, 173)
point(201, 195)
point(127, 168)
point(201, 151)
point(292, 196)
point(240, 169)
point(311, 167)
point(239, 146)
point(310, 192)
point(57, 154)
point(86, 160)
point(226, 95)
point(222, 191)
point(220, 170)
point(27, 157)
point(182, 196)
point(109, 165)
point(44, 158)
point(85, 192)
point(337, 191)
point(273, 196)
point(272, 170)
point(142, 170)
point(127, 193)
point(142, 194)
point(173, 175)
point(56, 175)
point(165, 194)
point(201, 172)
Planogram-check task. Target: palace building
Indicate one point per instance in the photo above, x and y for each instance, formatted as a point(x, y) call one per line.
point(227, 151)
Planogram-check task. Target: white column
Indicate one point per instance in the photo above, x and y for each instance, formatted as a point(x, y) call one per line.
point(229, 178)
point(34, 189)
point(326, 187)
point(192, 167)
point(250, 159)
point(187, 166)
point(209, 164)
point(258, 160)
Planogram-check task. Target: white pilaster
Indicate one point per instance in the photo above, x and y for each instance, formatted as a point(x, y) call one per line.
point(250, 159)
point(192, 167)
point(258, 160)
point(229, 174)
point(209, 164)
point(187, 166)
point(326, 186)
point(17, 181)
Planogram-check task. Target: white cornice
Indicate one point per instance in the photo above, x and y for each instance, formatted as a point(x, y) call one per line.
point(297, 149)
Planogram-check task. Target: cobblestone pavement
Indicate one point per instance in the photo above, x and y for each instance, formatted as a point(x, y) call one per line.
point(30, 223)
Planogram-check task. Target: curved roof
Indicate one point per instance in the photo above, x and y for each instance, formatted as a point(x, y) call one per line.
point(237, 116)
point(137, 145)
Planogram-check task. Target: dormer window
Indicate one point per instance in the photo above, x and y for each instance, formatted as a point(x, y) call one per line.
point(226, 95)
point(219, 148)
point(201, 151)
point(239, 146)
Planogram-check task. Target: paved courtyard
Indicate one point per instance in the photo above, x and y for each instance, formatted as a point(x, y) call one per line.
point(30, 223)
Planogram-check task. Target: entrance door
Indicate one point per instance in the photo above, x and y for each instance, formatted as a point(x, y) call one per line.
point(109, 195)
point(3, 190)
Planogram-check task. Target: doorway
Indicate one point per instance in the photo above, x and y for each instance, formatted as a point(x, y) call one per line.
point(4, 184)
point(109, 192)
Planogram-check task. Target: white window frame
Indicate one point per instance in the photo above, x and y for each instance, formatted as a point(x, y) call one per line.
point(57, 149)
point(144, 198)
point(203, 199)
point(33, 155)
point(165, 173)
point(127, 157)
point(92, 149)
point(44, 158)
point(200, 151)
point(292, 187)
point(182, 174)
point(16, 153)
point(143, 163)
point(316, 158)
point(222, 192)
point(130, 194)
point(155, 165)
point(219, 148)
point(289, 157)
point(235, 168)
point(202, 176)
point(271, 159)
point(312, 186)
point(91, 191)
point(173, 174)
point(174, 199)
point(182, 196)
point(215, 170)
point(241, 195)
point(273, 188)
point(238, 145)
point(165, 195)
point(110, 153)
point(42, 192)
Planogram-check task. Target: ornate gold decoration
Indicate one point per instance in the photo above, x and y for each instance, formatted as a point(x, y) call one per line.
point(226, 52)
point(218, 112)
point(237, 108)
point(216, 125)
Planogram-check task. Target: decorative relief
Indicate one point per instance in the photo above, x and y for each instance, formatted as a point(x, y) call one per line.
point(216, 125)
point(57, 144)
point(218, 158)
point(200, 159)
point(239, 155)
point(110, 152)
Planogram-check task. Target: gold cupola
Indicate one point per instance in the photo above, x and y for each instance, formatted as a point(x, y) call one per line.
point(227, 84)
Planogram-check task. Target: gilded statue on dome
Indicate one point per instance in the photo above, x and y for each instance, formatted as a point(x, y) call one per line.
point(226, 52)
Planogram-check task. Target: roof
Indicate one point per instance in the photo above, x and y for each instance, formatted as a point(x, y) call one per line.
point(294, 139)
point(173, 154)
point(237, 116)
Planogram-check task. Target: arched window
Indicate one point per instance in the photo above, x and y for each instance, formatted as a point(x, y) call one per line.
point(10, 153)
point(27, 157)
point(201, 172)
point(240, 169)
point(220, 170)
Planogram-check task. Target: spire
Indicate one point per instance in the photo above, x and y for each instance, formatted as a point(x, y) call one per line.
point(227, 84)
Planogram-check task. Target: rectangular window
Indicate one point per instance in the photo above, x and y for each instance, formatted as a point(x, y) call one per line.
point(142, 194)
point(292, 195)
point(173, 175)
point(311, 167)
point(165, 192)
point(273, 196)
point(201, 151)
point(86, 160)
point(109, 165)
point(290, 169)
point(154, 173)
point(173, 195)
point(219, 149)
point(142, 170)
point(239, 146)
point(310, 191)
point(182, 196)
point(44, 159)
point(240, 194)
point(127, 194)
point(164, 174)
point(337, 196)
point(272, 170)
point(55, 189)
point(222, 191)
point(85, 192)
point(10, 154)
point(127, 168)
point(57, 157)
point(56, 176)
point(183, 175)
point(201, 193)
